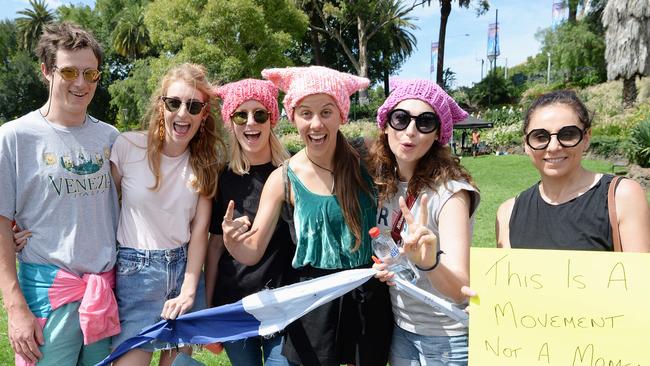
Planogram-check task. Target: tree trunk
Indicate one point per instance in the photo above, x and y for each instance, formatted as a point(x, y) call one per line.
point(315, 41)
point(573, 11)
point(386, 83)
point(629, 91)
point(363, 58)
point(445, 10)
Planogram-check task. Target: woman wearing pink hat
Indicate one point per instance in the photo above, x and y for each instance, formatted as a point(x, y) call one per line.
point(250, 111)
point(333, 211)
point(427, 203)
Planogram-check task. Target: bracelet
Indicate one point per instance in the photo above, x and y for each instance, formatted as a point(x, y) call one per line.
point(434, 266)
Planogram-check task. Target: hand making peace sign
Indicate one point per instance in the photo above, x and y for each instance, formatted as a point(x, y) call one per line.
point(421, 244)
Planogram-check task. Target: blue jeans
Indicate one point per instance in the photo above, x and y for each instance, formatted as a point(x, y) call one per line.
point(251, 351)
point(145, 279)
point(410, 349)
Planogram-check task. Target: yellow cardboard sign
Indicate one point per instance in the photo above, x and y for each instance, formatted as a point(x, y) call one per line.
point(559, 308)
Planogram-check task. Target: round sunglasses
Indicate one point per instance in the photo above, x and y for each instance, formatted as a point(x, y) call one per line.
point(71, 73)
point(172, 104)
point(567, 136)
point(426, 122)
point(241, 117)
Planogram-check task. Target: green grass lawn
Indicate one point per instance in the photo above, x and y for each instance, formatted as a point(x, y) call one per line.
point(498, 178)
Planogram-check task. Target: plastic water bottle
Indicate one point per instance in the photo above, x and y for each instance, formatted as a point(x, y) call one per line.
point(385, 249)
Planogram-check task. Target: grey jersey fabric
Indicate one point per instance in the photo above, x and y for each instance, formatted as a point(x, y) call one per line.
point(56, 182)
point(411, 314)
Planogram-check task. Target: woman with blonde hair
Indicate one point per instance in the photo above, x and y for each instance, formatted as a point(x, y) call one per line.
point(167, 177)
point(249, 111)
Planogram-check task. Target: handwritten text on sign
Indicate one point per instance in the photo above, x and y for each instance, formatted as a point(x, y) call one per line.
point(560, 308)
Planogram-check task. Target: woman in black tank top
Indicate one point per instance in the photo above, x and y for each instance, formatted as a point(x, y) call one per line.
point(568, 208)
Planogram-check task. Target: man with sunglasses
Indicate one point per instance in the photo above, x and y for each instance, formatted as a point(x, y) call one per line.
point(55, 181)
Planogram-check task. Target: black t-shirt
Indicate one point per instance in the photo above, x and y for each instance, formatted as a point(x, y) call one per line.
point(236, 280)
point(579, 224)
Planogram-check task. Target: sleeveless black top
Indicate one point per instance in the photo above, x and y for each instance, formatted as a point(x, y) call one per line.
point(579, 224)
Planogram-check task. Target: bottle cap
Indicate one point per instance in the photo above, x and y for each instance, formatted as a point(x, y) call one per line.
point(374, 232)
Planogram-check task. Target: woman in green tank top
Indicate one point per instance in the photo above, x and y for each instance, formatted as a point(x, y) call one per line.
point(333, 211)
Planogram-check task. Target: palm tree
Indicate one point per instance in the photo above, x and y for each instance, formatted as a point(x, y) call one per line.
point(130, 36)
point(627, 40)
point(397, 42)
point(367, 18)
point(445, 9)
point(31, 25)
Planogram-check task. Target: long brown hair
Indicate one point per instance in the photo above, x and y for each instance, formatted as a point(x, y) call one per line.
point(348, 182)
point(436, 167)
point(207, 148)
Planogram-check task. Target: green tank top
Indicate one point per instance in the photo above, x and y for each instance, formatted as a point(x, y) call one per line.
point(323, 239)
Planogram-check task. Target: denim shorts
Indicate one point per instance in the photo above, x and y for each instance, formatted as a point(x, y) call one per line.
point(410, 349)
point(145, 279)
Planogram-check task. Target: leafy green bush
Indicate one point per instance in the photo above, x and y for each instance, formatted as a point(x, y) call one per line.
point(494, 89)
point(606, 145)
point(535, 91)
point(638, 146)
point(362, 128)
point(503, 136)
point(292, 142)
point(504, 115)
point(285, 127)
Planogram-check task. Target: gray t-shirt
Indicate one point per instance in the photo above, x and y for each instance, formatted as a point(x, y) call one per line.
point(56, 182)
point(411, 314)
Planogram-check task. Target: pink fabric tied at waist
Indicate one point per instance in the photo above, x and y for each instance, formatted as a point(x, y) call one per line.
point(98, 316)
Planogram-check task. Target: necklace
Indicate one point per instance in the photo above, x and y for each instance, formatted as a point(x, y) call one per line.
point(322, 167)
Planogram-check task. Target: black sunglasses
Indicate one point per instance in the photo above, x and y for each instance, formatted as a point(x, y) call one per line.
point(241, 117)
point(172, 104)
point(567, 136)
point(426, 122)
point(71, 73)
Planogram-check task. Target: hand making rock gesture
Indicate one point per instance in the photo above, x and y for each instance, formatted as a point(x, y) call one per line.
point(235, 231)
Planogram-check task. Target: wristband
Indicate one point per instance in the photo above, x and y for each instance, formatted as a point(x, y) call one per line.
point(434, 265)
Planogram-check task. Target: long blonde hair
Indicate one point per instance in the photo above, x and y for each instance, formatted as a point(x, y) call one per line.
point(207, 148)
point(240, 164)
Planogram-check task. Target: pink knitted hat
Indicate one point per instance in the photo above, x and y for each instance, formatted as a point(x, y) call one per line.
point(429, 92)
point(234, 94)
point(299, 82)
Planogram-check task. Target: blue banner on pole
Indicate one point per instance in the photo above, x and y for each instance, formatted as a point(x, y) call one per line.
point(434, 56)
point(559, 13)
point(493, 40)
